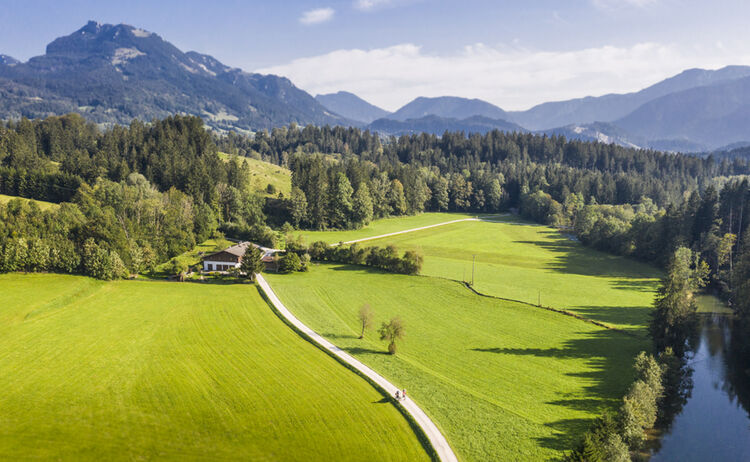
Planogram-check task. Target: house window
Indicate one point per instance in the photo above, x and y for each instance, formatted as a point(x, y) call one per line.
point(210, 266)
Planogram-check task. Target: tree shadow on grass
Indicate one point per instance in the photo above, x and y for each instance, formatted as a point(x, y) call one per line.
point(362, 351)
point(635, 284)
point(619, 315)
point(566, 434)
point(608, 357)
point(339, 336)
point(383, 400)
point(346, 267)
point(574, 258)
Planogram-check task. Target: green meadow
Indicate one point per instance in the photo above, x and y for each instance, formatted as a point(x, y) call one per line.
point(143, 370)
point(42, 204)
point(264, 173)
point(382, 226)
point(503, 380)
point(530, 263)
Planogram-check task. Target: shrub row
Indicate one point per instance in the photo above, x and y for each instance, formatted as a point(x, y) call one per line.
point(260, 234)
point(385, 258)
point(60, 255)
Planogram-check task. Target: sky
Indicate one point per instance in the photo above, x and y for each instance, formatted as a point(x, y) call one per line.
point(514, 54)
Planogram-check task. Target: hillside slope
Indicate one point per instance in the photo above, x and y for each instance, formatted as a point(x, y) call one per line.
point(713, 116)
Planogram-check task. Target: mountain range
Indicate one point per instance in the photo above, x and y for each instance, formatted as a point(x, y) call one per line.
point(697, 110)
point(352, 106)
point(114, 73)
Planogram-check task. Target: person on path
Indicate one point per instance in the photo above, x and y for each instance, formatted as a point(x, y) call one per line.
point(398, 396)
point(403, 393)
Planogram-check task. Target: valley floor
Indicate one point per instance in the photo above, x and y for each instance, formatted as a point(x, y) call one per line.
point(503, 380)
point(132, 370)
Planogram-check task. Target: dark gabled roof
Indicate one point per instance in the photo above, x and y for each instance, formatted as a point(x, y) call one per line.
point(237, 250)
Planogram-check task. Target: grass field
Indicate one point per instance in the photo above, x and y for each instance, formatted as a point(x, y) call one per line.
point(503, 380)
point(382, 226)
point(148, 370)
point(263, 173)
point(42, 204)
point(528, 262)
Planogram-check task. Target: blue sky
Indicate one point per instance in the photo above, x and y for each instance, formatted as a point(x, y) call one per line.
point(511, 53)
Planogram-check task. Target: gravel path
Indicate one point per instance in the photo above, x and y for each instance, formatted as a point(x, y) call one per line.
point(438, 441)
point(405, 231)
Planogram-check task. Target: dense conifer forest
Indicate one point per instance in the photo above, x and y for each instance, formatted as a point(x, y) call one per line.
point(140, 194)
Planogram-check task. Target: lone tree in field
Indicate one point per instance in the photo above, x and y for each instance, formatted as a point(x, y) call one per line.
point(391, 331)
point(251, 262)
point(366, 316)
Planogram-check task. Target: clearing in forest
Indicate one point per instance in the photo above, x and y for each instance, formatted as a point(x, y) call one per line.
point(42, 204)
point(264, 173)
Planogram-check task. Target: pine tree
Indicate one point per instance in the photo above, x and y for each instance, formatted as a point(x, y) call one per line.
point(396, 199)
point(251, 262)
point(674, 317)
point(362, 209)
point(298, 207)
point(340, 202)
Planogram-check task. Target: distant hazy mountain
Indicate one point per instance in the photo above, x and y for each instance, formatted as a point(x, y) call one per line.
point(730, 154)
point(597, 131)
point(448, 106)
point(5, 59)
point(614, 106)
point(711, 116)
point(114, 73)
point(438, 125)
point(351, 106)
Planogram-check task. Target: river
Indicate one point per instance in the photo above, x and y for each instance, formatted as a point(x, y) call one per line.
point(713, 424)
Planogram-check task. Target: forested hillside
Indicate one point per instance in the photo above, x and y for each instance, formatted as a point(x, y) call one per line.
point(638, 203)
point(156, 189)
point(132, 196)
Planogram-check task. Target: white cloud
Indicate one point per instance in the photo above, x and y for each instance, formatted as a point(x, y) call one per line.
point(513, 78)
point(317, 16)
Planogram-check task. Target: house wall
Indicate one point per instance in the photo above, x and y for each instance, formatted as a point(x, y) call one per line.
point(213, 265)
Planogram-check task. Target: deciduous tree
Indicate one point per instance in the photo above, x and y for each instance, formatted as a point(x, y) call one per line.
point(391, 332)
